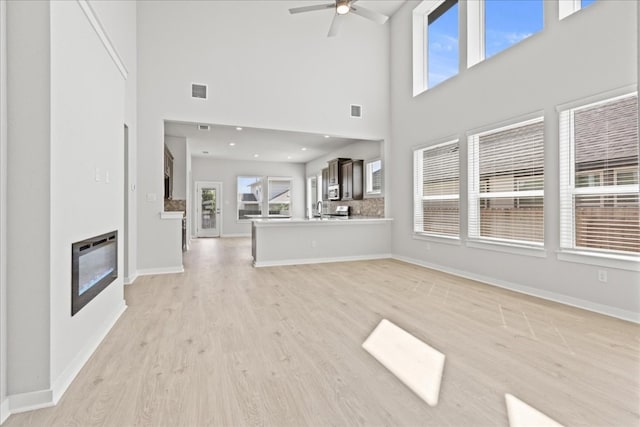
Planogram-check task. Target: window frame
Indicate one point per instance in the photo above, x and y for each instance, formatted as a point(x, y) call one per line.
point(239, 202)
point(420, 22)
point(263, 203)
point(368, 179)
point(568, 251)
point(418, 189)
point(266, 200)
point(475, 196)
point(476, 32)
point(568, 7)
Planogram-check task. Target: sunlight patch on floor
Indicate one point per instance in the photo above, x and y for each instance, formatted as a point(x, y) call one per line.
point(415, 363)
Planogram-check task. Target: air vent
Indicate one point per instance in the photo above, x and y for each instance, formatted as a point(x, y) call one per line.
point(356, 110)
point(204, 127)
point(198, 91)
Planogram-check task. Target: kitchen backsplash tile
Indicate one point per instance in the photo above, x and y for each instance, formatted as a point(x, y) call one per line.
point(175, 205)
point(373, 207)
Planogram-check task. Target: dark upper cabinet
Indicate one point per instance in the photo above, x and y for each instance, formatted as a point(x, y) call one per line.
point(168, 173)
point(335, 171)
point(352, 180)
point(325, 184)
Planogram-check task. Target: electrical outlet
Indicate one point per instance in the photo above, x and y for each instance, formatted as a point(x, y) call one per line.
point(602, 276)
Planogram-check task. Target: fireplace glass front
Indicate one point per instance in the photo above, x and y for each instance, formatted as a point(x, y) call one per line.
point(94, 267)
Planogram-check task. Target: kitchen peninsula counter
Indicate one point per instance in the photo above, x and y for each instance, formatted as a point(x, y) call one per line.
point(316, 240)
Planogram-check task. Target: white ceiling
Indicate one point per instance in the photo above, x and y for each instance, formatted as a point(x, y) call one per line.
point(386, 7)
point(270, 145)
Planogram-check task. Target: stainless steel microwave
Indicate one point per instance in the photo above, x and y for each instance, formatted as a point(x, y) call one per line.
point(334, 192)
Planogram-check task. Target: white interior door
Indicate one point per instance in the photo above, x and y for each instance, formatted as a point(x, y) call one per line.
point(208, 208)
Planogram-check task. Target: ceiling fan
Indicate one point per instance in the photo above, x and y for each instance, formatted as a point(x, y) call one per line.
point(342, 7)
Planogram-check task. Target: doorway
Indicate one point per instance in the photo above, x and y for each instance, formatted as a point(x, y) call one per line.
point(208, 209)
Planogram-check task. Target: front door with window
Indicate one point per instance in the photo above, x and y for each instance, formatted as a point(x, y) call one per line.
point(208, 208)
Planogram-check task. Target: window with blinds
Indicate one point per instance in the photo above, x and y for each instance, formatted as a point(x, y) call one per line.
point(506, 184)
point(599, 209)
point(279, 196)
point(437, 190)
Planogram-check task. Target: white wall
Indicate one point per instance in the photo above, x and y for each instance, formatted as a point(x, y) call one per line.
point(227, 172)
point(87, 116)
point(118, 17)
point(264, 67)
point(65, 135)
point(178, 148)
point(592, 51)
point(28, 197)
point(4, 403)
point(362, 150)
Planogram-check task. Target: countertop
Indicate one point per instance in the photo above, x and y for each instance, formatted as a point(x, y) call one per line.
point(328, 220)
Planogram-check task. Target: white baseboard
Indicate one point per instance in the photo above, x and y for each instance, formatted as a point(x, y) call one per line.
point(65, 379)
point(320, 260)
point(4, 410)
point(236, 235)
point(164, 270)
point(547, 295)
point(29, 401)
point(129, 280)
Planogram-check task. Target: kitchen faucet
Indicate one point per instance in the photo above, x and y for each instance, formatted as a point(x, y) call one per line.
point(319, 207)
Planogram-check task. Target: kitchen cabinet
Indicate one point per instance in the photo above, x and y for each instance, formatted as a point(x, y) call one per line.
point(168, 173)
point(325, 184)
point(352, 177)
point(335, 171)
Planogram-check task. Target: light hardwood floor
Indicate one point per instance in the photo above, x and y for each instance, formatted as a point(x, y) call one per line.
point(226, 344)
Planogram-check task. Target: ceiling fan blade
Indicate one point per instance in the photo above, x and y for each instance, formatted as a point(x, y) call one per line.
point(312, 8)
point(335, 25)
point(369, 14)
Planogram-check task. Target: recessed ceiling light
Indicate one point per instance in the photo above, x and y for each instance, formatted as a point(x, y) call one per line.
point(256, 155)
point(304, 148)
point(288, 157)
point(327, 136)
point(232, 144)
point(205, 152)
point(238, 128)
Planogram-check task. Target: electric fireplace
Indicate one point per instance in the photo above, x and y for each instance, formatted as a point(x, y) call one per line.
point(94, 265)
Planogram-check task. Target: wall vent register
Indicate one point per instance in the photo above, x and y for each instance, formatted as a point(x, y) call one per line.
point(356, 110)
point(198, 91)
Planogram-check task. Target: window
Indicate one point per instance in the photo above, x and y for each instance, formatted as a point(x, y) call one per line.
point(373, 177)
point(506, 184)
point(437, 190)
point(249, 196)
point(279, 196)
point(495, 25)
point(599, 209)
point(442, 43)
point(435, 43)
point(568, 7)
point(251, 202)
point(508, 22)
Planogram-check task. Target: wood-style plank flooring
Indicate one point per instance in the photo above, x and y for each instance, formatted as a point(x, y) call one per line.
point(225, 344)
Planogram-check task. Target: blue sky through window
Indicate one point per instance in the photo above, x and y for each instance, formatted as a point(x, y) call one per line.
point(585, 3)
point(442, 49)
point(508, 22)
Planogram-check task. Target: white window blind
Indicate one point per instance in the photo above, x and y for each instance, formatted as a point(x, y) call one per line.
point(599, 208)
point(437, 190)
point(506, 184)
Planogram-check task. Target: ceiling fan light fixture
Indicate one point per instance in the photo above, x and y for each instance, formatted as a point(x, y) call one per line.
point(342, 7)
